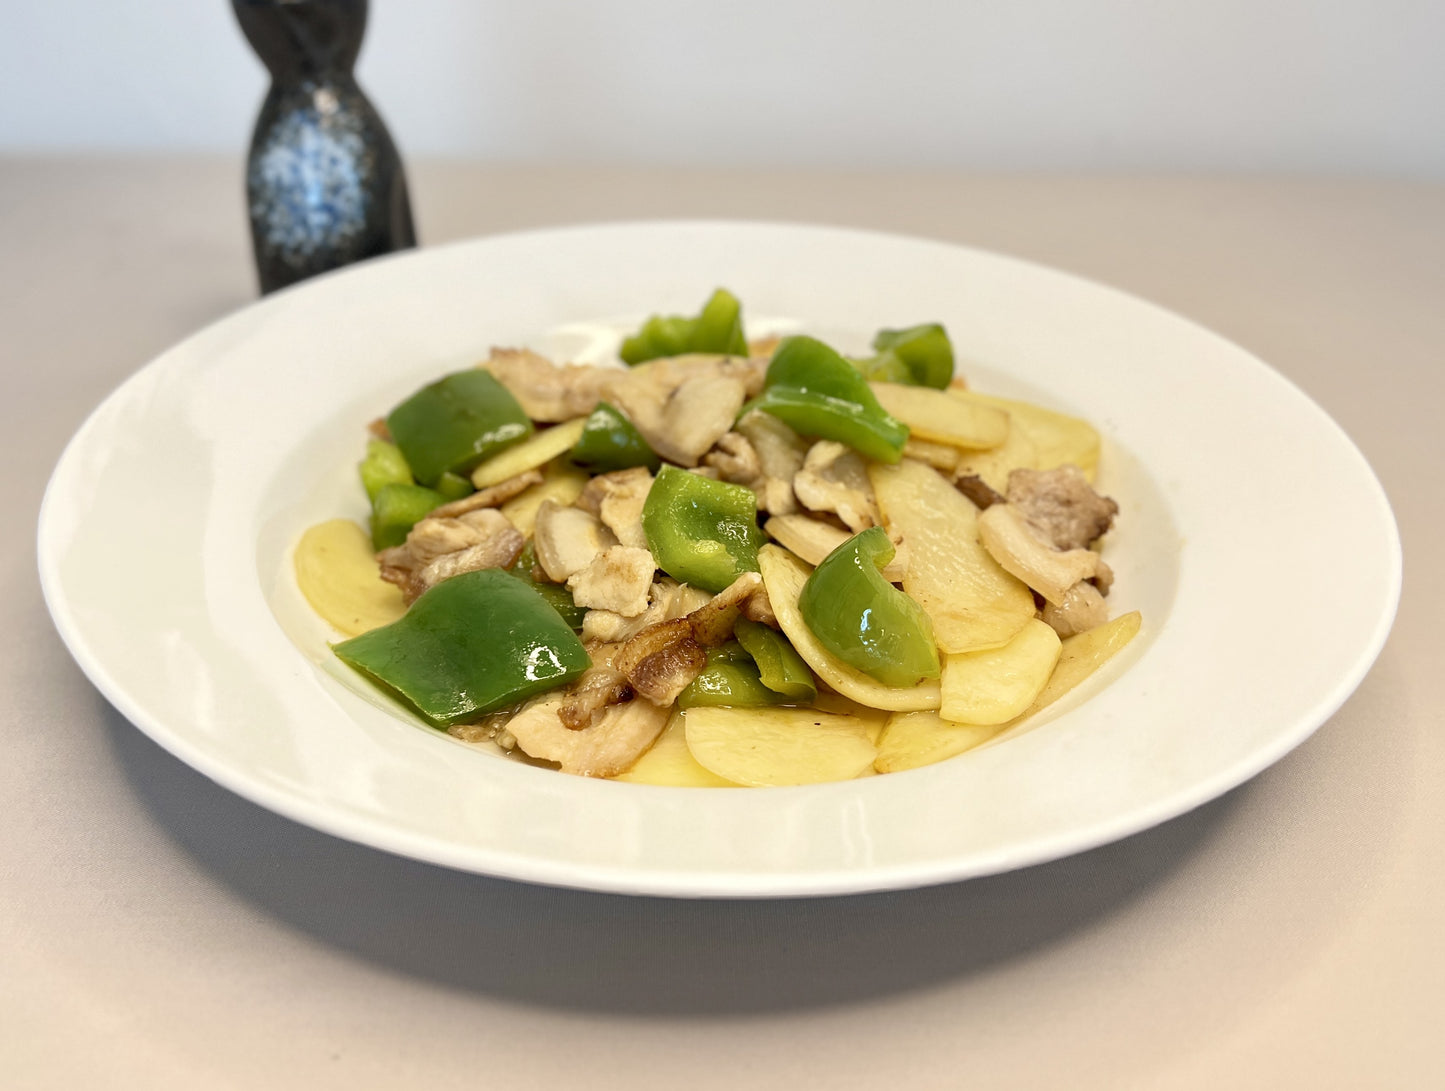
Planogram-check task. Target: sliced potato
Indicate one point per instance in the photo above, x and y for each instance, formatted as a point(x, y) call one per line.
point(943, 418)
point(812, 540)
point(1084, 653)
point(783, 577)
point(1057, 437)
point(536, 450)
point(337, 572)
point(561, 482)
point(972, 602)
point(670, 763)
point(775, 747)
point(938, 455)
point(873, 718)
point(914, 739)
point(996, 685)
point(1018, 452)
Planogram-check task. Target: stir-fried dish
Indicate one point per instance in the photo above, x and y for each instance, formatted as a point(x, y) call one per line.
point(724, 562)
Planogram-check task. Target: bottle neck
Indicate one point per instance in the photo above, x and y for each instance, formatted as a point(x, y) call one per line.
point(301, 40)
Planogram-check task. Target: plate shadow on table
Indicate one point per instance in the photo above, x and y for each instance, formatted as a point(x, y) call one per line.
point(606, 953)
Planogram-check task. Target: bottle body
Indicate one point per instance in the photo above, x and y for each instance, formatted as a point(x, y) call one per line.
point(324, 182)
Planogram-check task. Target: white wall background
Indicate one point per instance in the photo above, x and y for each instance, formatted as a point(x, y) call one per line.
point(1338, 86)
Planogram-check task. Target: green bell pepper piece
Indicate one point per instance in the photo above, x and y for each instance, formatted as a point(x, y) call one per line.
point(454, 486)
point(396, 509)
point(384, 464)
point(455, 423)
point(610, 442)
point(919, 356)
point(884, 368)
point(557, 596)
point(863, 619)
point(818, 393)
point(718, 328)
point(779, 665)
point(701, 531)
point(472, 644)
point(730, 678)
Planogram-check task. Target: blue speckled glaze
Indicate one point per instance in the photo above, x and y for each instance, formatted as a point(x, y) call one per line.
point(324, 182)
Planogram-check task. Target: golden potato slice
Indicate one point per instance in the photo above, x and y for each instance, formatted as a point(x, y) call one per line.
point(942, 418)
point(996, 685)
point(783, 578)
point(812, 540)
point(337, 572)
point(561, 482)
point(938, 455)
point(914, 739)
point(1084, 653)
point(775, 747)
point(873, 718)
point(536, 450)
point(972, 602)
point(1057, 437)
point(1018, 452)
point(670, 763)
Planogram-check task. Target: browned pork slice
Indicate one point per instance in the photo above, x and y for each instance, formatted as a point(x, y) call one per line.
point(668, 599)
point(1062, 504)
point(1021, 550)
point(661, 660)
point(568, 539)
point(617, 499)
point(491, 497)
point(608, 745)
point(618, 580)
point(547, 392)
point(764, 454)
point(1082, 608)
point(602, 684)
point(439, 548)
point(780, 452)
point(1042, 533)
point(835, 479)
point(681, 423)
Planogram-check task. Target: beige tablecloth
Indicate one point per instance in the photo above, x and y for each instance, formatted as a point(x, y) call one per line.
point(157, 931)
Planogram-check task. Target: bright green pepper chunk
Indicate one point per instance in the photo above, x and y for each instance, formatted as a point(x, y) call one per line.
point(884, 368)
point(701, 531)
point(454, 486)
point(919, 356)
point(863, 619)
point(818, 393)
point(396, 509)
point(455, 423)
point(557, 596)
point(610, 442)
point(718, 328)
point(780, 667)
point(730, 678)
point(384, 464)
point(472, 644)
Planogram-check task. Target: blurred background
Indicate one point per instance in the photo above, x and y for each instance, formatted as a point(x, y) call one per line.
point(1333, 87)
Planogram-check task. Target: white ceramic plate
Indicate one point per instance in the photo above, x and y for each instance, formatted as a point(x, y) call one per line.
point(165, 532)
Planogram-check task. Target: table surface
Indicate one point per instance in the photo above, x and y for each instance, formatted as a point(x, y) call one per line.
point(157, 931)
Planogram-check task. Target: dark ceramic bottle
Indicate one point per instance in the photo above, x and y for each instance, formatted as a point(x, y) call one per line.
point(324, 182)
